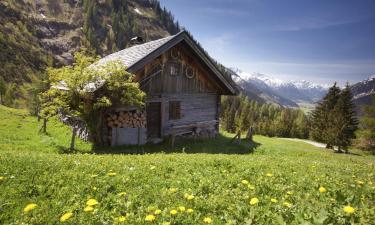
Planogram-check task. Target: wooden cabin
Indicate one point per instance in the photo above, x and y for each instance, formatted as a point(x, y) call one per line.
point(183, 88)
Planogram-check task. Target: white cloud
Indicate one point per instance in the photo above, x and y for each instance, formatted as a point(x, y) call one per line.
point(310, 23)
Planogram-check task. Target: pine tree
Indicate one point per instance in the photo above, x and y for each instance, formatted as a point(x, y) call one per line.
point(344, 119)
point(321, 117)
point(367, 128)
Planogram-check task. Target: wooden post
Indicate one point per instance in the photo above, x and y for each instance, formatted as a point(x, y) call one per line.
point(139, 136)
point(173, 136)
point(72, 142)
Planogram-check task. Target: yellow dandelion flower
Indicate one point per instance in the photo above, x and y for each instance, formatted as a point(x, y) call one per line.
point(167, 223)
point(322, 190)
point(66, 216)
point(251, 187)
point(245, 182)
point(157, 212)
point(182, 208)
point(173, 212)
point(121, 218)
point(290, 192)
point(30, 207)
point(88, 209)
point(254, 201)
point(207, 220)
point(2, 178)
point(349, 210)
point(190, 210)
point(269, 174)
point(189, 197)
point(287, 204)
point(274, 200)
point(111, 174)
point(121, 194)
point(150, 218)
point(92, 202)
point(173, 190)
point(359, 182)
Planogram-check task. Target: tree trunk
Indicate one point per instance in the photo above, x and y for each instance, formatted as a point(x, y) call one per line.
point(44, 128)
point(38, 112)
point(249, 134)
point(72, 142)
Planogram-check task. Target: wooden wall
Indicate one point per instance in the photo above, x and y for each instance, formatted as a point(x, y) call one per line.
point(156, 78)
point(195, 107)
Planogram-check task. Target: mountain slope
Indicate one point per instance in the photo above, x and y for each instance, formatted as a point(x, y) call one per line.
point(363, 91)
point(39, 33)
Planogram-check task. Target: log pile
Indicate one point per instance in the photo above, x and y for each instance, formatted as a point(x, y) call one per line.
point(127, 119)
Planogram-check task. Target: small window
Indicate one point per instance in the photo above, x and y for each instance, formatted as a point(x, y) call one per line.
point(174, 71)
point(174, 68)
point(174, 110)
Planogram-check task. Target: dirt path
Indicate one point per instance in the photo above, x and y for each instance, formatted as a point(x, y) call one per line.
point(316, 144)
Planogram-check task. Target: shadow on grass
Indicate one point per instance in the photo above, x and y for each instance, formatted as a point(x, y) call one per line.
point(219, 145)
point(346, 153)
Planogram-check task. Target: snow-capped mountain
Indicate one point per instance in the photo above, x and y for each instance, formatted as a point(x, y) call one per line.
point(259, 90)
point(295, 93)
point(363, 91)
point(289, 91)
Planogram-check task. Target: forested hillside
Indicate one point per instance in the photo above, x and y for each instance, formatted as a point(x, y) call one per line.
point(239, 113)
point(35, 34)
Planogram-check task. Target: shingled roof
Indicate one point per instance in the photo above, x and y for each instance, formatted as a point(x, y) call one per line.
point(136, 57)
point(132, 55)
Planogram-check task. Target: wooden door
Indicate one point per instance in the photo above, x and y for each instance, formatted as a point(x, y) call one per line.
point(153, 119)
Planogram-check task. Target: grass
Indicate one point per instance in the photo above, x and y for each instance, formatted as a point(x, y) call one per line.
point(218, 187)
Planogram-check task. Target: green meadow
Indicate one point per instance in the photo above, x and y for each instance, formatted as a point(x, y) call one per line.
point(271, 181)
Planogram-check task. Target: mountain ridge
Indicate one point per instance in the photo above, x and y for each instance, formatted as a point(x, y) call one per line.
point(296, 93)
point(285, 93)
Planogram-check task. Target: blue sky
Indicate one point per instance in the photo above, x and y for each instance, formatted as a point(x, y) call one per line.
point(320, 41)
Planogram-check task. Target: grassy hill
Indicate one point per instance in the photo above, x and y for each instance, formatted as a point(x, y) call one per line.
point(278, 183)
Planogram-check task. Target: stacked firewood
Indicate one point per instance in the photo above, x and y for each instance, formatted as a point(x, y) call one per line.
point(128, 119)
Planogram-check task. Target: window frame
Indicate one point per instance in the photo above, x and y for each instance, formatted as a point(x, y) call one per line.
point(174, 110)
